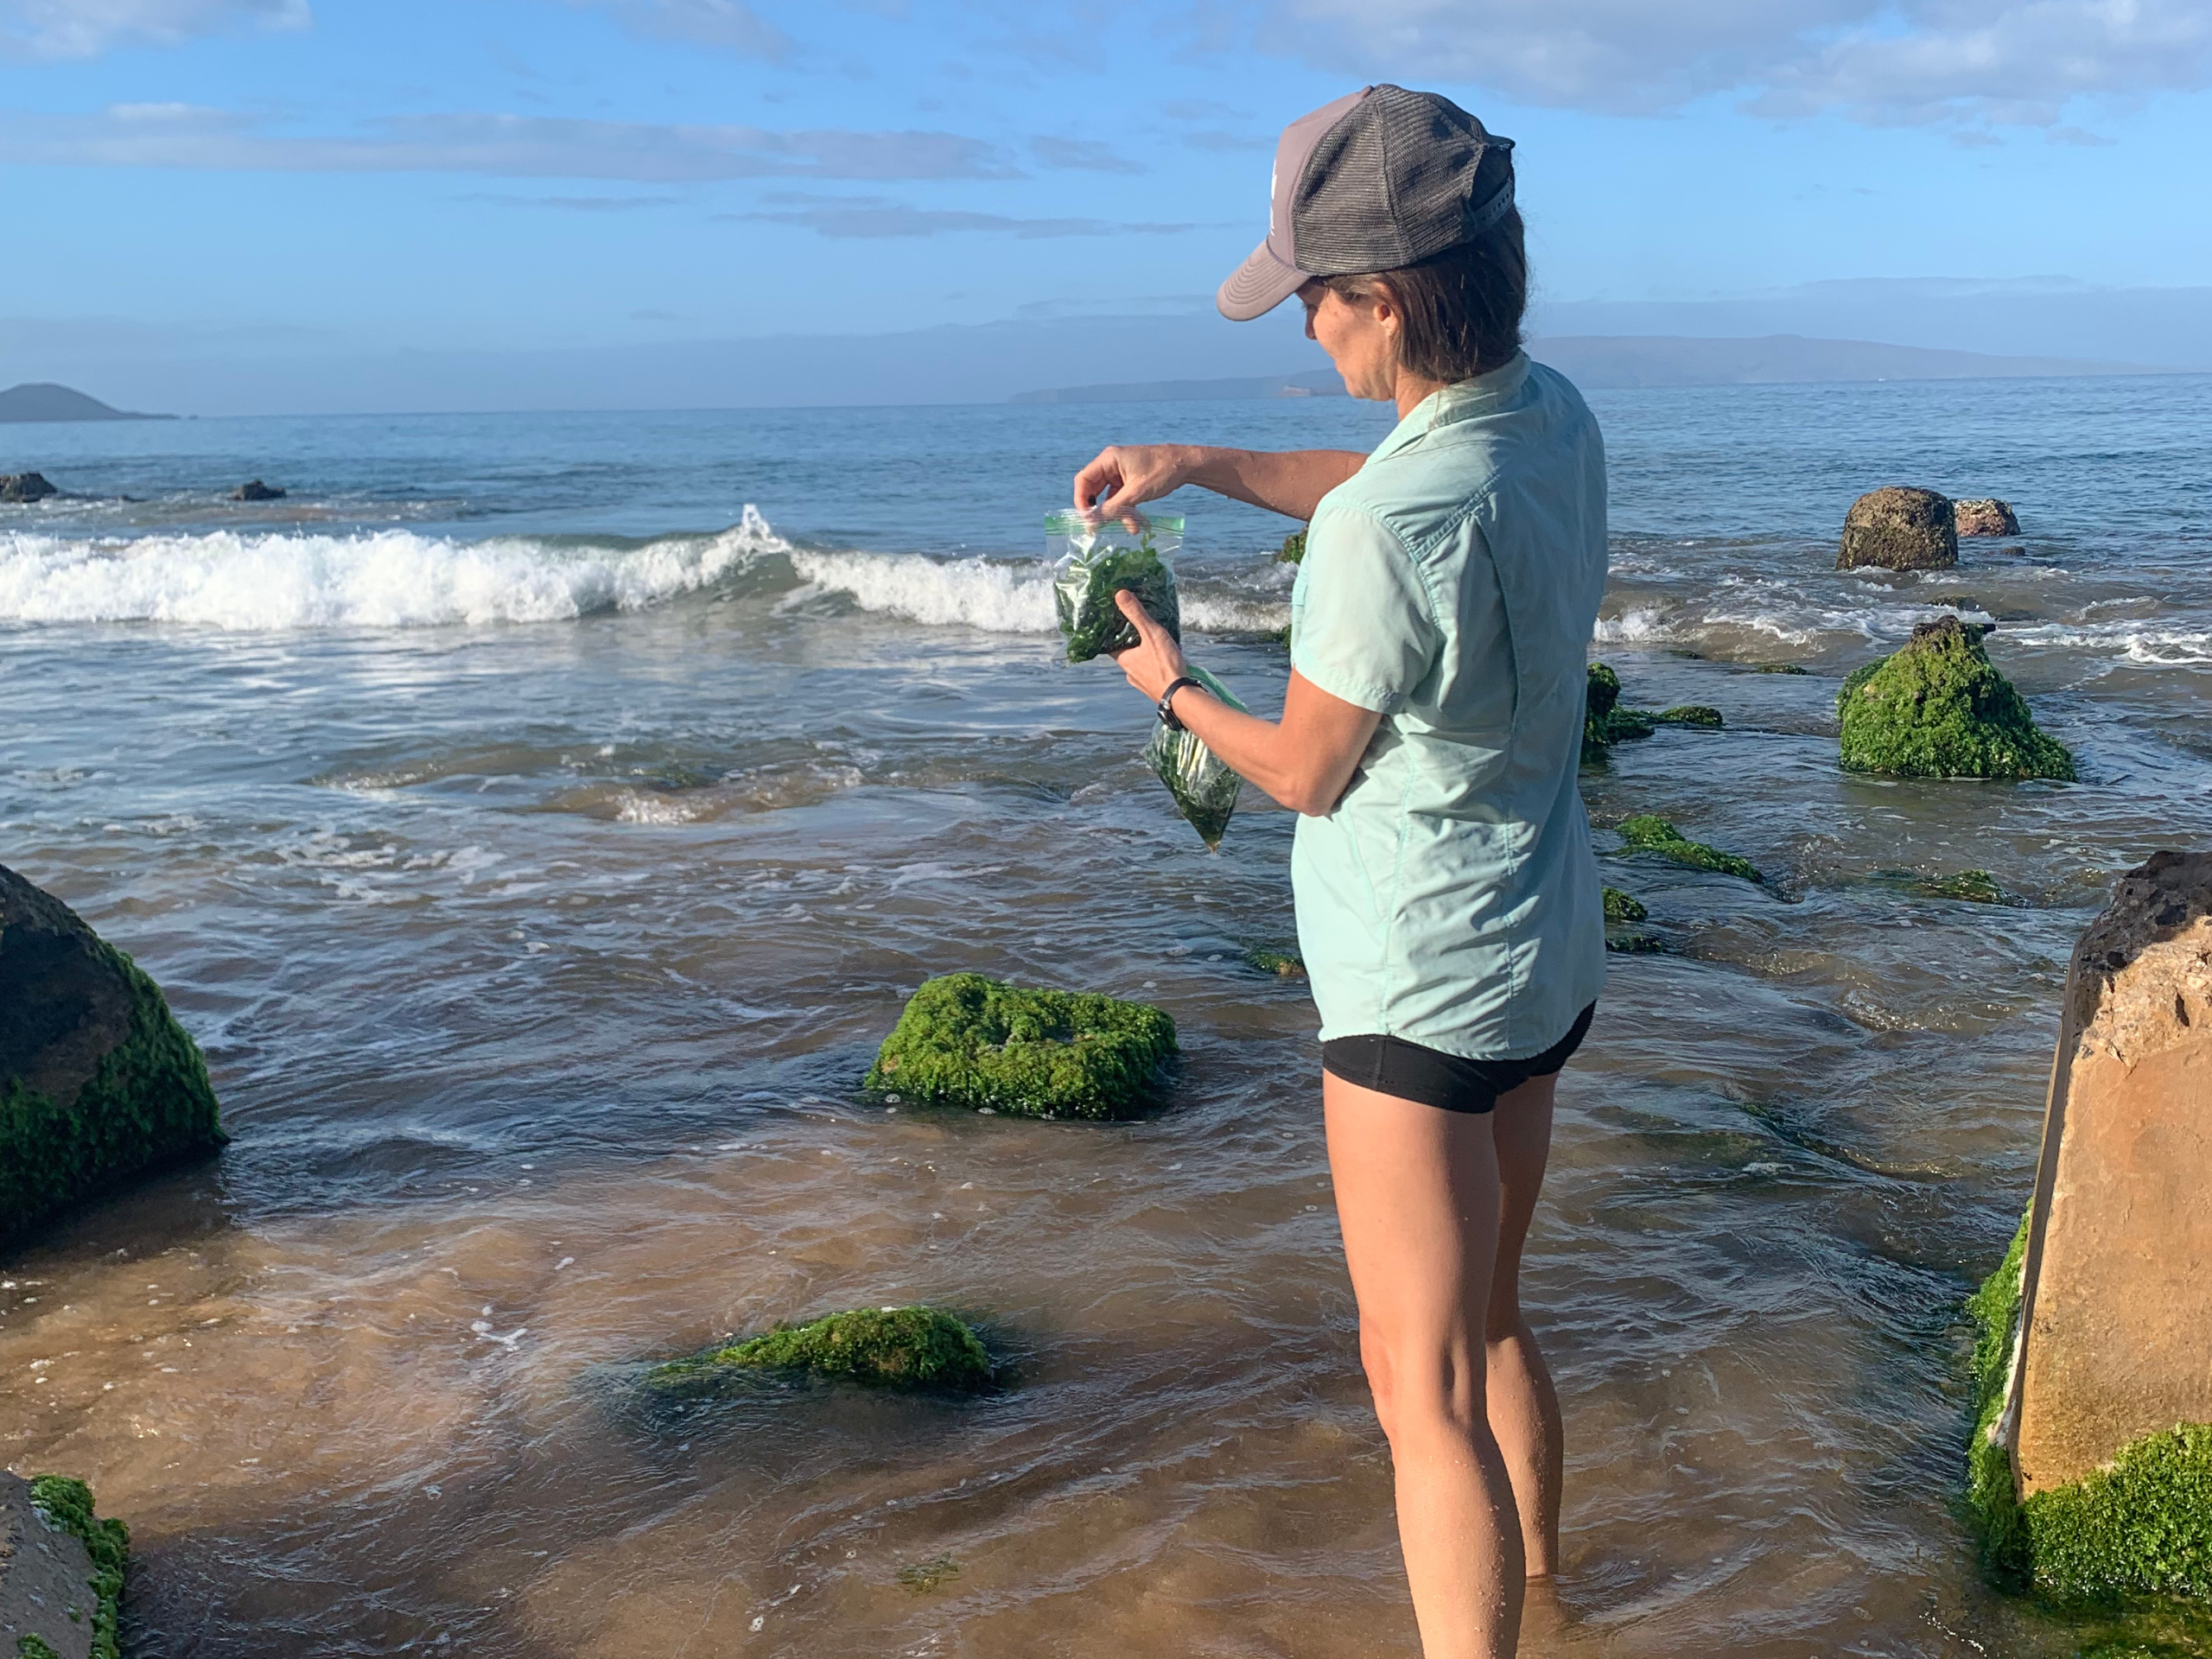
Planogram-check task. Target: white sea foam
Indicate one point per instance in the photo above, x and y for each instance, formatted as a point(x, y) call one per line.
point(999, 596)
point(384, 579)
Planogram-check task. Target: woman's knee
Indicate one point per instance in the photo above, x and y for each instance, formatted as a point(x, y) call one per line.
point(1424, 1385)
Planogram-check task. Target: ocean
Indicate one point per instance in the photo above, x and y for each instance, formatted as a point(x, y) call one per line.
point(539, 818)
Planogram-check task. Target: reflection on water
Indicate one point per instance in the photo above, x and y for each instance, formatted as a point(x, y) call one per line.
point(536, 965)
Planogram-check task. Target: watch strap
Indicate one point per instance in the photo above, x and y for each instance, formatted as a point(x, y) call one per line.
point(1167, 701)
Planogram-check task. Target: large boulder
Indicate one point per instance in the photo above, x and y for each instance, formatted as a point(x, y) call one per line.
point(25, 487)
point(1899, 528)
point(1987, 516)
point(2091, 1461)
point(966, 1040)
point(98, 1081)
point(60, 1570)
point(255, 490)
point(1939, 709)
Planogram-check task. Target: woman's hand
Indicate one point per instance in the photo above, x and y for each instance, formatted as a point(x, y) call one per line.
point(1128, 474)
point(1155, 662)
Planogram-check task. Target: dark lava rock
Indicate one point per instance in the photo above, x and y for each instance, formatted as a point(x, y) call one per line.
point(1986, 517)
point(98, 1081)
point(1605, 722)
point(25, 487)
point(1939, 709)
point(61, 1570)
point(256, 491)
point(1899, 528)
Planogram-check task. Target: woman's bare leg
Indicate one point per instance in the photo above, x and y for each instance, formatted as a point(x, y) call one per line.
point(1523, 1405)
point(1418, 1197)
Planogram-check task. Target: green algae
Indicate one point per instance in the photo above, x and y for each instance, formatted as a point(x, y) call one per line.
point(966, 1040)
point(1286, 963)
point(35, 1646)
point(147, 1104)
point(1690, 713)
point(1780, 668)
point(1622, 908)
point(1969, 887)
point(1203, 787)
point(1651, 834)
point(1938, 708)
point(923, 1577)
point(1083, 591)
point(1991, 1499)
point(67, 1504)
point(1292, 550)
point(1605, 722)
point(922, 1349)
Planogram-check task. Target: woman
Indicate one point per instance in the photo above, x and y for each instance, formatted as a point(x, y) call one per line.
point(1448, 906)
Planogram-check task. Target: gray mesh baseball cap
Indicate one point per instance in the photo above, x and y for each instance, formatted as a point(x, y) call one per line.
point(1377, 180)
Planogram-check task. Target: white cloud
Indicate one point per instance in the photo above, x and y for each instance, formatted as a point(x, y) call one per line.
point(2001, 62)
point(506, 146)
point(726, 25)
point(84, 29)
point(874, 217)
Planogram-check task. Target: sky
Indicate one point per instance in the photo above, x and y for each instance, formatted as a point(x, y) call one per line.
point(243, 203)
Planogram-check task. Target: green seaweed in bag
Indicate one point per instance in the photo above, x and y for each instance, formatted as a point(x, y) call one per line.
point(1204, 785)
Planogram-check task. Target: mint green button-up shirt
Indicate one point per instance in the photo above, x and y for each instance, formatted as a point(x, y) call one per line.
point(1451, 584)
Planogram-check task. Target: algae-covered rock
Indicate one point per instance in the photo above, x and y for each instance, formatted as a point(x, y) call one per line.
point(916, 1349)
point(1292, 550)
point(1779, 668)
point(98, 1081)
point(1939, 709)
point(1605, 722)
point(1287, 965)
point(1984, 516)
point(966, 1040)
point(61, 1570)
point(1622, 908)
point(1650, 834)
point(1691, 713)
point(1968, 886)
point(1899, 527)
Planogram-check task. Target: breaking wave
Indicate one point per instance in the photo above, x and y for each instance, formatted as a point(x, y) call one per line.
point(998, 596)
point(381, 579)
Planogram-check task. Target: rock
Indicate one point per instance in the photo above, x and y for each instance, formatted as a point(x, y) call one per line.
point(2091, 1463)
point(1287, 965)
point(1647, 833)
point(1605, 722)
point(966, 1040)
point(256, 491)
point(1690, 713)
point(1899, 528)
point(1939, 709)
point(1779, 668)
point(917, 1349)
point(98, 1081)
point(25, 487)
point(1987, 516)
point(60, 1571)
point(1622, 908)
point(1968, 886)
point(1292, 550)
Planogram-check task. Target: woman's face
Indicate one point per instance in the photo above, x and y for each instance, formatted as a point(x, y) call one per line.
point(1359, 335)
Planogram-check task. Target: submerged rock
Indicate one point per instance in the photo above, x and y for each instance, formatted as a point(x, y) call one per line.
point(25, 487)
point(1691, 713)
point(2090, 1467)
point(1650, 834)
point(1622, 908)
point(60, 1570)
point(1898, 527)
point(1969, 887)
point(966, 1040)
point(98, 1081)
point(1286, 963)
point(920, 1349)
point(255, 490)
point(1987, 516)
point(1939, 709)
point(1779, 668)
point(1292, 550)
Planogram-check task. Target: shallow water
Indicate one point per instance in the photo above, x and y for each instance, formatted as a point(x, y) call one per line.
point(539, 846)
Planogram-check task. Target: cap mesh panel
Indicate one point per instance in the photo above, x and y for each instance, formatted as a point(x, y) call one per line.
point(1391, 184)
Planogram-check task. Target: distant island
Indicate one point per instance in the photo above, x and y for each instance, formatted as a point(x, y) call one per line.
point(42, 400)
point(1616, 361)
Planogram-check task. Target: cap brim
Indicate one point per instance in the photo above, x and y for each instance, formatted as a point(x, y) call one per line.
point(1257, 286)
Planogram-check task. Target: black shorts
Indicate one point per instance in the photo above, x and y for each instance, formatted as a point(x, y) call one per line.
point(1391, 1065)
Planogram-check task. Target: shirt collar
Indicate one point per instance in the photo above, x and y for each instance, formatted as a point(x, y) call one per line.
point(1463, 400)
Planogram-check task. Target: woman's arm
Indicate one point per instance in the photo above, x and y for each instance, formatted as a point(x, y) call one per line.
point(1304, 761)
point(1291, 482)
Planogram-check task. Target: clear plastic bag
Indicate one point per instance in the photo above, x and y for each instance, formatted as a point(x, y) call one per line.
point(1091, 563)
point(1204, 788)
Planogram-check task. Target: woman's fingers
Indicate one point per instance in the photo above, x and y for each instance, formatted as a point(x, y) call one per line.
point(1149, 631)
point(1102, 475)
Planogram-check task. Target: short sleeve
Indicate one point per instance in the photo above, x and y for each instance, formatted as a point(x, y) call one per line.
point(1362, 630)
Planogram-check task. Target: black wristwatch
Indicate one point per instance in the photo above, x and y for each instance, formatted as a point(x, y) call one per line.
point(1167, 703)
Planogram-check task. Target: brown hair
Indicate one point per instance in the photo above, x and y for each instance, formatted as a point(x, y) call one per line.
point(1460, 310)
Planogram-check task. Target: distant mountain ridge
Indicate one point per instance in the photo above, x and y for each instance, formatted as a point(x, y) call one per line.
point(42, 400)
point(1622, 361)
